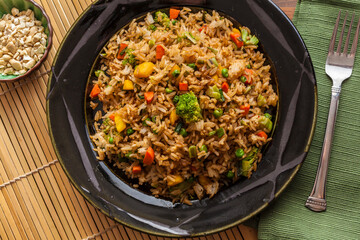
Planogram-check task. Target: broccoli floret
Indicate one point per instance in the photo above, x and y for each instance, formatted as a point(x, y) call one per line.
point(162, 19)
point(188, 108)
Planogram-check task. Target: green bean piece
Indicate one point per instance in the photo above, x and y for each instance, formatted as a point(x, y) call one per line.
point(176, 99)
point(178, 127)
point(129, 131)
point(212, 133)
point(218, 113)
point(220, 132)
point(213, 61)
point(230, 174)
point(168, 90)
point(153, 118)
point(222, 98)
point(225, 72)
point(192, 151)
point(203, 148)
point(183, 132)
point(141, 96)
point(192, 65)
point(248, 66)
point(111, 140)
point(239, 153)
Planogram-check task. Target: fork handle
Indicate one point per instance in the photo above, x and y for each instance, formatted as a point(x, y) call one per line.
point(316, 201)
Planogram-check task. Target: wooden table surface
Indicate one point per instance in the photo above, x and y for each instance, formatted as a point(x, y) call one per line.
point(37, 201)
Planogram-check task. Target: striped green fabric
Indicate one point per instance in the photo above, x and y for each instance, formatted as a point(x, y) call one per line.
point(287, 217)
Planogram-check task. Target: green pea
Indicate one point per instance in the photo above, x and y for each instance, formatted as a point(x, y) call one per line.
point(129, 131)
point(239, 153)
point(151, 43)
point(173, 22)
point(220, 132)
point(230, 174)
point(183, 132)
point(203, 148)
point(243, 79)
point(225, 72)
point(111, 140)
point(218, 112)
point(168, 90)
point(176, 73)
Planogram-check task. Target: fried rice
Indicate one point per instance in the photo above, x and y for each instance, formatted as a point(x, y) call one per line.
point(185, 100)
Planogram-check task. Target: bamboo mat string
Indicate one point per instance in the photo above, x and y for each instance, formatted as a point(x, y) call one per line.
point(28, 174)
point(100, 233)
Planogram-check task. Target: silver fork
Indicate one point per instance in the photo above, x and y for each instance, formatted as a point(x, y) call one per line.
point(338, 67)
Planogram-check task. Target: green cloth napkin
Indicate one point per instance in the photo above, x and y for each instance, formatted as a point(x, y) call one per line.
point(287, 217)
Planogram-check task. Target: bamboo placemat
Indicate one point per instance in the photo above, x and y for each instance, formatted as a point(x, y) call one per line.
point(37, 201)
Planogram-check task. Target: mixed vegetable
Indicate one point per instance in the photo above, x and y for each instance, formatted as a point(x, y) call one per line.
point(187, 108)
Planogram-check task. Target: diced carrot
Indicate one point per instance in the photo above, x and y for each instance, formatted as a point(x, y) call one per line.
point(160, 51)
point(149, 96)
point(183, 86)
point(136, 169)
point(202, 28)
point(121, 53)
point(262, 134)
point(95, 91)
point(174, 13)
point(245, 108)
point(149, 156)
point(112, 117)
point(225, 87)
point(235, 37)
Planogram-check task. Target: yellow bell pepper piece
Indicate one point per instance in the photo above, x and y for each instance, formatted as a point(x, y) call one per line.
point(173, 180)
point(215, 77)
point(128, 85)
point(144, 70)
point(119, 123)
point(235, 30)
point(175, 67)
point(173, 117)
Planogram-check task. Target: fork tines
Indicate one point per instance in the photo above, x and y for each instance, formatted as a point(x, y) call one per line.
point(333, 38)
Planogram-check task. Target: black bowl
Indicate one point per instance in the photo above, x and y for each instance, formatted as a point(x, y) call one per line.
point(66, 111)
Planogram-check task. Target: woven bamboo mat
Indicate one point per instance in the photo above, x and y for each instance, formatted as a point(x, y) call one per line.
point(37, 201)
